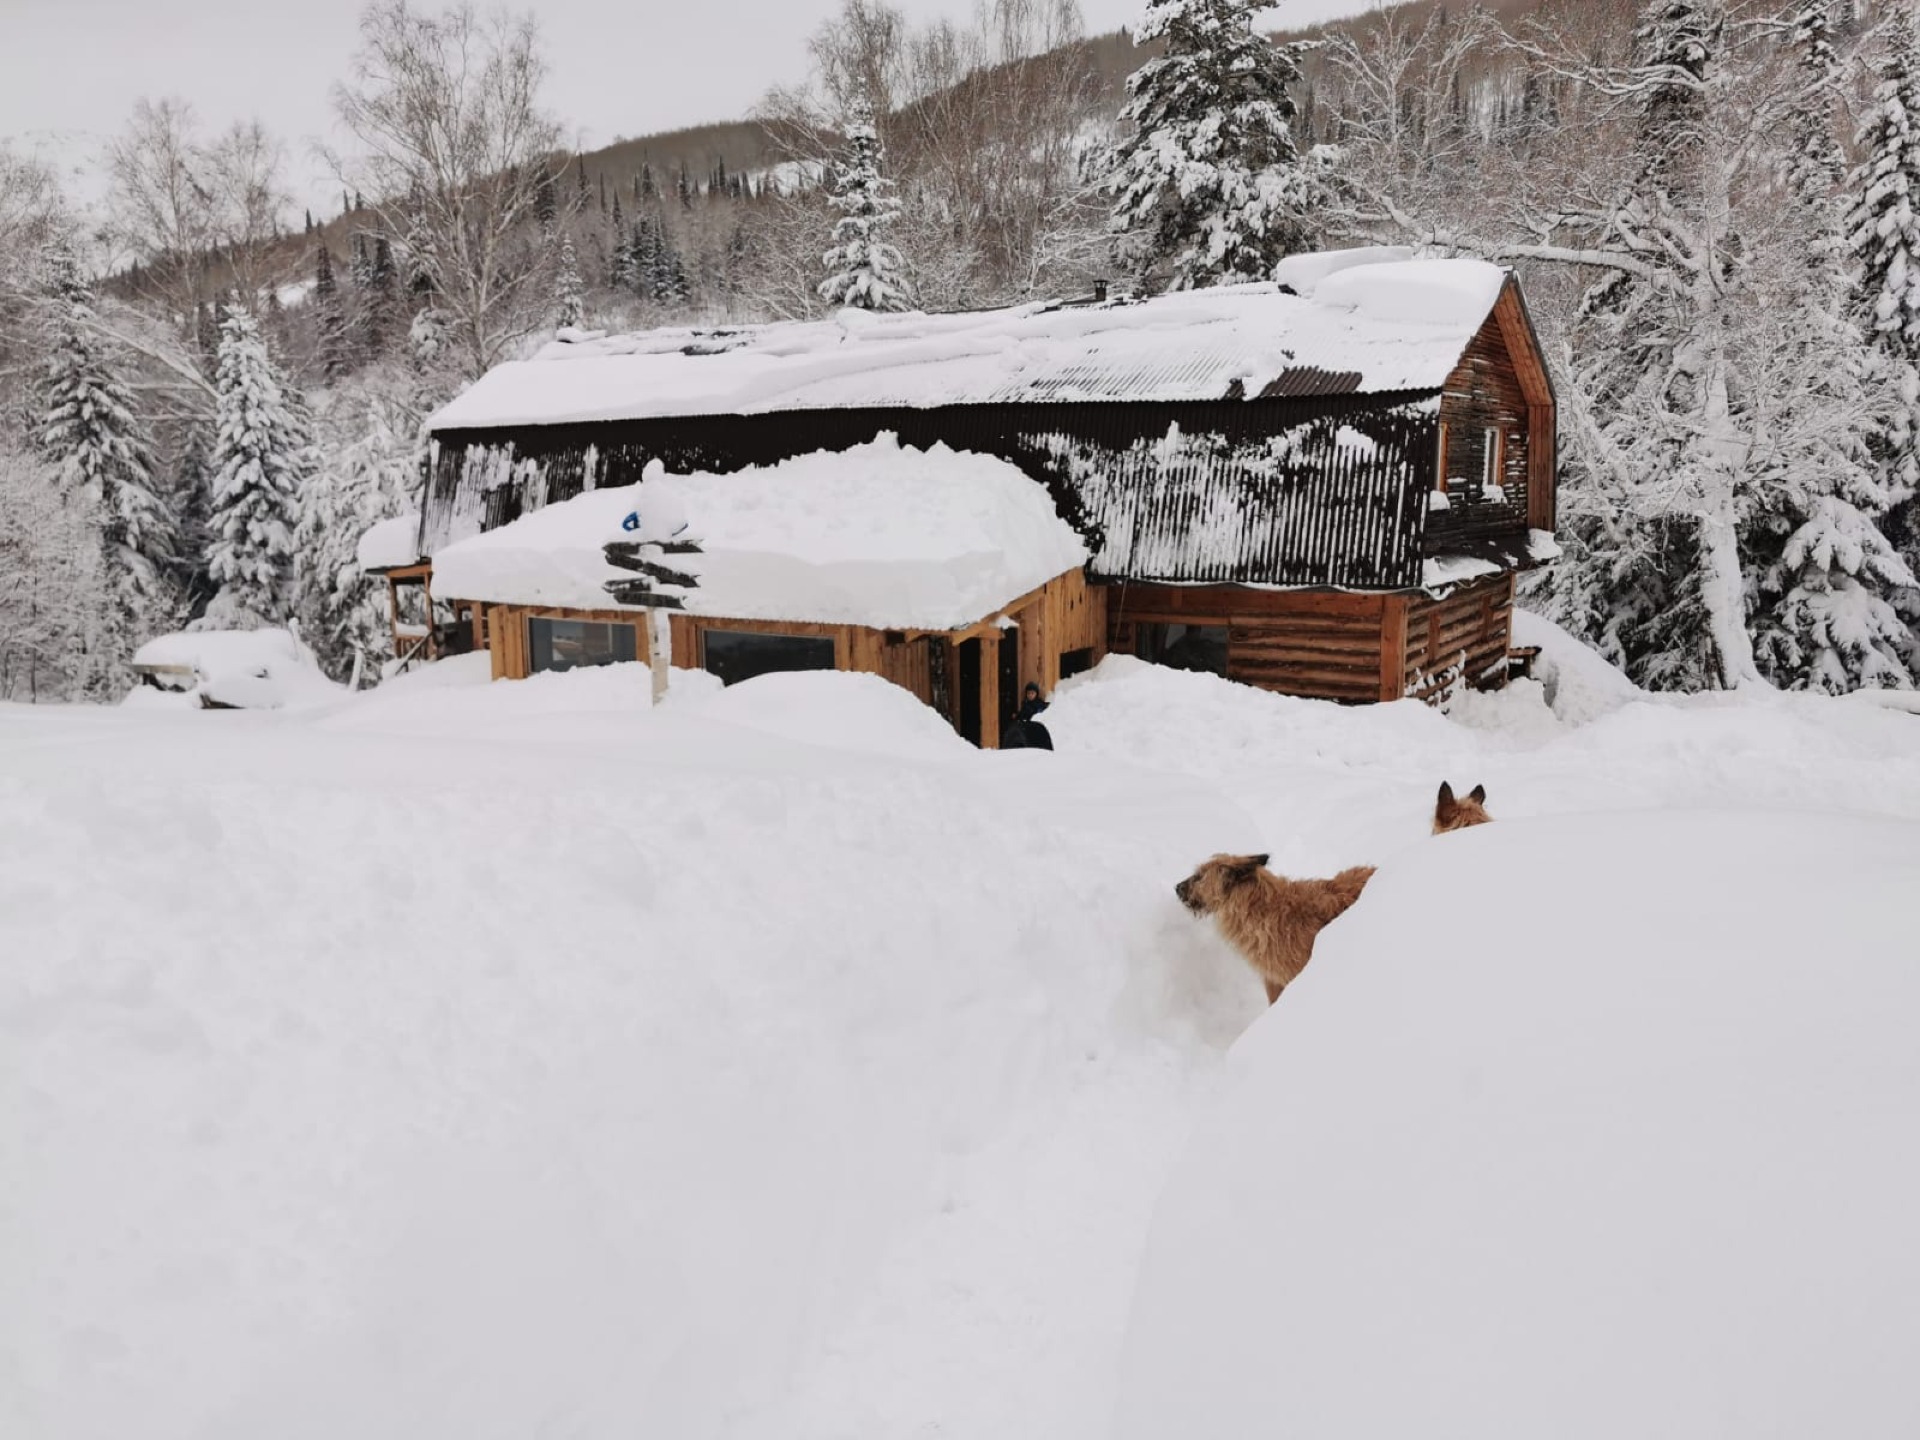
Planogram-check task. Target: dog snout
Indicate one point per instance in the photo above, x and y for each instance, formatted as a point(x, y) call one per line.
point(1183, 890)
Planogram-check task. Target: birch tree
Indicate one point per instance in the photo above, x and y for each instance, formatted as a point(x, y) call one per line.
point(457, 160)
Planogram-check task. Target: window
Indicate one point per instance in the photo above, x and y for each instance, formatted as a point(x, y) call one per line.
point(1440, 459)
point(1183, 647)
point(1075, 662)
point(736, 655)
point(572, 644)
point(1490, 459)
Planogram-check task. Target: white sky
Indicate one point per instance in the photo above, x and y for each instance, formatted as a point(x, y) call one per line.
point(70, 70)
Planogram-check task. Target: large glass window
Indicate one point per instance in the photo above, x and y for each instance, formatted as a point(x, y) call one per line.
point(1183, 647)
point(571, 644)
point(736, 655)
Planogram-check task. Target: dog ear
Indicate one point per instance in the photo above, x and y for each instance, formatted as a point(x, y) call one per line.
point(1242, 873)
point(1446, 795)
point(1478, 795)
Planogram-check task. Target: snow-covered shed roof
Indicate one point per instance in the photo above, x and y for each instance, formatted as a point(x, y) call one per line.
point(881, 535)
point(1371, 321)
point(389, 544)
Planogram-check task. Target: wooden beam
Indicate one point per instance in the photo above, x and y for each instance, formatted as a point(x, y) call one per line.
point(990, 691)
point(1393, 648)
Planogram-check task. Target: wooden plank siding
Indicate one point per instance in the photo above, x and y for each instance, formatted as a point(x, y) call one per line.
point(1066, 614)
point(1484, 406)
point(1461, 637)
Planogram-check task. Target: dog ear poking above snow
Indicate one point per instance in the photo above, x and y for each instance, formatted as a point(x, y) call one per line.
point(1450, 813)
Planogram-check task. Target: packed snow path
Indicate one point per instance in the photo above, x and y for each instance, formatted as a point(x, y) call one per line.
point(507, 1060)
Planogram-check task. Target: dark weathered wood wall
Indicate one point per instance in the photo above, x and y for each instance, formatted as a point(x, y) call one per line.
point(1302, 491)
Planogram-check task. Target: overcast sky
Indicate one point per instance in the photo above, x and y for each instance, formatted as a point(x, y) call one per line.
point(70, 70)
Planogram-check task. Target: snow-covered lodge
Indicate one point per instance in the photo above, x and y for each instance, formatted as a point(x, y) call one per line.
point(1324, 486)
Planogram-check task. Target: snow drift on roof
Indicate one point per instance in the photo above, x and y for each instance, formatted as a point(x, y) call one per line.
point(879, 535)
point(391, 543)
point(1382, 323)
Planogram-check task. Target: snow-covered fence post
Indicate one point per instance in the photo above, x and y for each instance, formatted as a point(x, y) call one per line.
point(662, 530)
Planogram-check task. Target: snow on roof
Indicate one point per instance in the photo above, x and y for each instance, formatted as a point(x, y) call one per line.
point(391, 543)
point(1369, 321)
point(880, 535)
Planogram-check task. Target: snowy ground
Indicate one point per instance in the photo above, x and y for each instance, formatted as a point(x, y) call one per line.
point(509, 1060)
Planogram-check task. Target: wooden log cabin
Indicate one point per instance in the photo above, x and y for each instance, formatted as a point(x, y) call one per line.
point(951, 575)
point(1325, 486)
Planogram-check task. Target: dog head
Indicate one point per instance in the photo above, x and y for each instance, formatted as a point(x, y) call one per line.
point(1207, 889)
point(1450, 813)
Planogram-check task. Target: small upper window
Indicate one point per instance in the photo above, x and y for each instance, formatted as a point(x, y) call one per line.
point(1490, 458)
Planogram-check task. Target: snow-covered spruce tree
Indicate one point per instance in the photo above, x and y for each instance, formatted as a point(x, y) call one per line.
point(53, 590)
point(864, 272)
point(1824, 574)
point(261, 457)
point(100, 453)
point(1719, 524)
point(373, 448)
point(1209, 187)
point(1883, 236)
point(336, 351)
point(569, 296)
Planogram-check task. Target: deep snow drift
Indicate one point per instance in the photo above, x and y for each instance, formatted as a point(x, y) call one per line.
point(1492, 1174)
point(513, 1059)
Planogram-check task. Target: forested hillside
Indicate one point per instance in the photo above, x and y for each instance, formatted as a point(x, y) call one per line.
point(207, 396)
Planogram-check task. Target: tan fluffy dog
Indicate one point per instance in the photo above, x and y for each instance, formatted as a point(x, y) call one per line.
point(1270, 920)
point(1452, 814)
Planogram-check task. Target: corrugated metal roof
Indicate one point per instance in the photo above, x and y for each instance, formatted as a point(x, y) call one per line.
point(1395, 326)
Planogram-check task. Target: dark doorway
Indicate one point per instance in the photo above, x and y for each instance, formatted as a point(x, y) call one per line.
point(968, 721)
point(1183, 647)
point(1009, 676)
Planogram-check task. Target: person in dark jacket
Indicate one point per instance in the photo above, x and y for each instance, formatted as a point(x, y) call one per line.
point(1026, 732)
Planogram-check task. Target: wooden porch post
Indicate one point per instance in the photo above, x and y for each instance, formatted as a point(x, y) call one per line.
point(990, 691)
point(1393, 648)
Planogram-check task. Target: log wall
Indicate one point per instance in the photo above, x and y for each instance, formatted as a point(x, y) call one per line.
point(1321, 644)
point(1065, 615)
point(1460, 638)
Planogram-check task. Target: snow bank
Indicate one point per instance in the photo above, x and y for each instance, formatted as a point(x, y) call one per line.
point(1581, 685)
point(601, 1073)
point(390, 543)
point(1644, 1146)
point(881, 535)
point(245, 669)
point(1399, 324)
point(842, 710)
